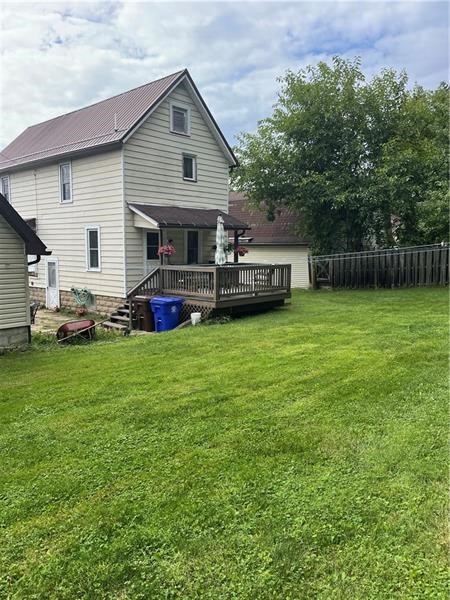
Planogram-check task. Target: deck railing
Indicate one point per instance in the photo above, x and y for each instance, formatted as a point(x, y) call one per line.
point(229, 281)
point(215, 283)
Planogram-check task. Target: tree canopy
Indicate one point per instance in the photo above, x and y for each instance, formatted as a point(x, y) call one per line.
point(363, 163)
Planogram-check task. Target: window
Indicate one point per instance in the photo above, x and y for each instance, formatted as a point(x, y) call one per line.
point(189, 167)
point(93, 248)
point(5, 188)
point(65, 182)
point(180, 120)
point(152, 245)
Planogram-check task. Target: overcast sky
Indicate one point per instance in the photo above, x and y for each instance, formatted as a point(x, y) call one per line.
point(60, 56)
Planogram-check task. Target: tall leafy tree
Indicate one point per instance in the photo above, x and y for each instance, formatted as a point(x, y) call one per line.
point(329, 150)
point(413, 170)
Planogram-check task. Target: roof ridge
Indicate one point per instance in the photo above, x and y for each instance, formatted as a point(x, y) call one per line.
point(104, 100)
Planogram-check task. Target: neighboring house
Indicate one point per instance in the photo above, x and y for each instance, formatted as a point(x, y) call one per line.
point(19, 246)
point(109, 183)
point(272, 242)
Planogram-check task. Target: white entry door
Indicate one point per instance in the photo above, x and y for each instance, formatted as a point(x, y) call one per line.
point(151, 246)
point(52, 283)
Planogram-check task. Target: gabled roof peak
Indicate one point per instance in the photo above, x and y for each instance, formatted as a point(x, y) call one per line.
point(104, 123)
point(138, 87)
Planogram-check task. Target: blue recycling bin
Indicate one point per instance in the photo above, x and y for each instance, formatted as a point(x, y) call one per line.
point(166, 310)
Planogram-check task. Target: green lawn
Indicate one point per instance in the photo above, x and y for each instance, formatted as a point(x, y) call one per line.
point(299, 454)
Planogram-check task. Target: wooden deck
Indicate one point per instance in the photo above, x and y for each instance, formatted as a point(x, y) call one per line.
point(219, 287)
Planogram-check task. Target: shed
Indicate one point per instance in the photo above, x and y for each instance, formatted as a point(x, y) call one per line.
point(17, 242)
point(272, 241)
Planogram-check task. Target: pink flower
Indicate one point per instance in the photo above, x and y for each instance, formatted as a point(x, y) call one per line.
point(166, 250)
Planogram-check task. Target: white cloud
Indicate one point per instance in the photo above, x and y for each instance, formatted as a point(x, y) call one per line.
point(65, 55)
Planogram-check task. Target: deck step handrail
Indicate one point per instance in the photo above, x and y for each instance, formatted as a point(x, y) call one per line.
point(142, 288)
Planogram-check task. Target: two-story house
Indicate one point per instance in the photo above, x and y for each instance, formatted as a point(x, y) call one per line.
point(108, 184)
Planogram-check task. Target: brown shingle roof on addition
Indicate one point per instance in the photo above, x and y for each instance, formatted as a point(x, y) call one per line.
point(180, 217)
point(104, 124)
point(264, 232)
point(33, 244)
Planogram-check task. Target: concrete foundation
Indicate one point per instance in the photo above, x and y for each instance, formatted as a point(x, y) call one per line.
point(14, 337)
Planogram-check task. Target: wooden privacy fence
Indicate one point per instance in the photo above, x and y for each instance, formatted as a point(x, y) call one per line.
point(392, 267)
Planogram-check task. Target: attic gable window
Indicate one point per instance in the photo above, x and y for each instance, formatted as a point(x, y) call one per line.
point(180, 119)
point(65, 183)
point(5, 187)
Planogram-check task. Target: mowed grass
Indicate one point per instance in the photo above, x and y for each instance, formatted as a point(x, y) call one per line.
point(293, 455)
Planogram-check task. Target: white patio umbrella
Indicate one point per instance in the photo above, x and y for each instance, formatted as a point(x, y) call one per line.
point(220, 258)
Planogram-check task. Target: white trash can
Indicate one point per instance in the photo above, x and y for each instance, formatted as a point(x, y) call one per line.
point(196, 318)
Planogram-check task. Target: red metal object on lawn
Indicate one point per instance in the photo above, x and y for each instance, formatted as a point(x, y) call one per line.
point(84, 328)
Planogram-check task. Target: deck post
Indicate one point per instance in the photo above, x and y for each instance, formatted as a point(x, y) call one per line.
point(236, 244)
point(216, 284)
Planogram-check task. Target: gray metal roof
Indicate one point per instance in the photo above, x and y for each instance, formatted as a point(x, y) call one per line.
point(104, 123)
point(178, 217)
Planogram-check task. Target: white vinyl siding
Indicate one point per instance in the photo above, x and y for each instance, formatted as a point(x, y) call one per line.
point(296, 256)
point(153, 171)
point(98, 195)
point(14, 295)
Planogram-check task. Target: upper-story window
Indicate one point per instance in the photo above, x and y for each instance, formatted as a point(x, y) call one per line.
point(65, 182)
point(189, 167)
point(5, 188)
point(180, 119)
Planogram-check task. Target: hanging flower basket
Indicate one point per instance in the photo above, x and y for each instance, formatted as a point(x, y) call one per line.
point(241, 250)
point(166, 250)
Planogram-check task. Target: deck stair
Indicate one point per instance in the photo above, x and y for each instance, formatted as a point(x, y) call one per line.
point(119, 320)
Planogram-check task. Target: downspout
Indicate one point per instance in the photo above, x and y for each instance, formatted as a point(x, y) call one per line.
point(34, 262)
